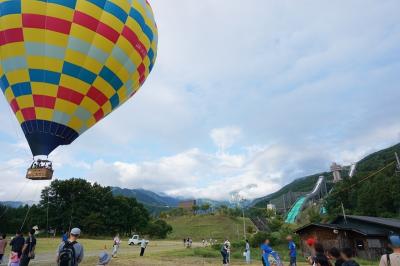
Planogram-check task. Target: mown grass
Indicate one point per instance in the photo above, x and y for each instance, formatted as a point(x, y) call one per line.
point(166, 253)
point(207, 226)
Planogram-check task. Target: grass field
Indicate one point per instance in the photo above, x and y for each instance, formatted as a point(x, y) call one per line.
point(166, 253)
point(207, 226)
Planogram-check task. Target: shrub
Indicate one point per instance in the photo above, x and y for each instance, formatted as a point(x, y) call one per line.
point(259, 238)
point(205, 253)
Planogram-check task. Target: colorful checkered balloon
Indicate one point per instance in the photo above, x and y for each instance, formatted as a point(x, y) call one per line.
point(66, 64)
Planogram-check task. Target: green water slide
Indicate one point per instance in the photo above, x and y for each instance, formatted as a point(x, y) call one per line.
point(295, 210)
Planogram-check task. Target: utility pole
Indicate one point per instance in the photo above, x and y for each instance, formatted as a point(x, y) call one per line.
point(239, 200)
point(344, 214)
point(47, 214)
point(397, 163)
point(244, 223)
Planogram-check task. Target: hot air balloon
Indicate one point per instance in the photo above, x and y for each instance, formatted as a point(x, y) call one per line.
point(66, 64)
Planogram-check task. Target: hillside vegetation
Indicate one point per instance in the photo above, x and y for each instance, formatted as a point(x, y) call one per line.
point(207, 226)
point(304, 184)
point(377, 195)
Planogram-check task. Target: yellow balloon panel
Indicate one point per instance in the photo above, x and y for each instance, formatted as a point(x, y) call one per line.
point(66, 64)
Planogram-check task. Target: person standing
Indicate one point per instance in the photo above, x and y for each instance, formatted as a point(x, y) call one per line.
point(3, 245)
point(70, 252)
point(266, 250)
point(292, 250)
point(334, 254)
point(394, 258)
point(225, 253)
point(347, 255)
point(320, 258)
point(117, 243)
point(247, 252)
point(17, 243)
point(28, 251)
point(64, 237)
point(143, 246)
point(228, 245)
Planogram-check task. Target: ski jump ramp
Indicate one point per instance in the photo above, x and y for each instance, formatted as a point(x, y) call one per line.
point(317, 193)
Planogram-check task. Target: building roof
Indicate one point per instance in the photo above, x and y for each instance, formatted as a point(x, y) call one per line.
point(335, 227)
point(375, 220)
point(365, 225)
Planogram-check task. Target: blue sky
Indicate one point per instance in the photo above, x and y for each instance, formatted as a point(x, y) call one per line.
point(243, 97)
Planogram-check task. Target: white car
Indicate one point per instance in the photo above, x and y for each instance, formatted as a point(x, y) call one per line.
point(135, 240)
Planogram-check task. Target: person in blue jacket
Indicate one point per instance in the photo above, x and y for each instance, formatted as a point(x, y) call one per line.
point(292, 250)
point(266, 250)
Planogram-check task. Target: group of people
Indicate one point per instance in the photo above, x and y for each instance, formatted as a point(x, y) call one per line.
point(318, 255)
point(22, 249)
point(226, 252)
point(42, 164)
point(69, 252)
point(343, 257)
point(333, 256)
point(207, 243)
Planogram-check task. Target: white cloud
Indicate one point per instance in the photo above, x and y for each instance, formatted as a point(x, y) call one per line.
point(225, 137)
point(308, 82)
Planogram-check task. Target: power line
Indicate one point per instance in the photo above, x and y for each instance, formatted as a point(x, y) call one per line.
point(365, 178)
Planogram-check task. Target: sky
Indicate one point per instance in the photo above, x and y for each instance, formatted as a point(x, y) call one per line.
point(245, 97)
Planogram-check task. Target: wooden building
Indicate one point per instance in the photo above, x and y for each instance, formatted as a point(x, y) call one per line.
point(367, 236)
point(187, 204)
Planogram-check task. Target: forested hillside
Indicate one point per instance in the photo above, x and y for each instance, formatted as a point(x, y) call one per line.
point(92, 207)
point(373, 191)
point(369, 192)
point(304, 184)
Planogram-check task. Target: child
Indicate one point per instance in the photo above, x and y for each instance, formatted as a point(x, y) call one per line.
point(104, 259)
point(14, 260)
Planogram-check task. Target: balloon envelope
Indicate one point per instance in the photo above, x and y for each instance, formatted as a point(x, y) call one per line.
point(66, 64)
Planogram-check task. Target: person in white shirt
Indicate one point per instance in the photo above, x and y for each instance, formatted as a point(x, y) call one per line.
point(143, 246)
point(394, 258)
point(116, 244)
point(247, 252)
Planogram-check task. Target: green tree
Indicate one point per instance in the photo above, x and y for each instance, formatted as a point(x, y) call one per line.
point(205, 207)
point(159, 229)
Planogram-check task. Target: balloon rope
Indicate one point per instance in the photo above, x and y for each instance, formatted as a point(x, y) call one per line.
point(29, 209)
point(15, 199)
point(47, 212)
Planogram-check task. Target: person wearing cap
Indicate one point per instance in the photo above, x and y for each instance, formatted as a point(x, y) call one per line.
point(394, 258)
point(78, 248)
point(104, 259)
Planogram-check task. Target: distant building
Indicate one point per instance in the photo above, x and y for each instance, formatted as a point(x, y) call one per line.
point(336, 170)
point(271, 207)
point(187, 204)
point(367, 236)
